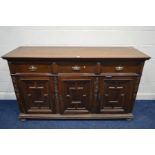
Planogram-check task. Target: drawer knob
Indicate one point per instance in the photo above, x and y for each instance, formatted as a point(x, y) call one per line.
point(76, 68)
point(32, 68)
point(119, 68)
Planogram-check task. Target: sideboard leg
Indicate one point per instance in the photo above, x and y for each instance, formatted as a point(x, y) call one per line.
point(23, 119)
point(129, 119)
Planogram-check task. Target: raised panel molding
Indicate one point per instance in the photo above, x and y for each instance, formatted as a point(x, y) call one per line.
point(140, 96)
point(116, 94)
point(76, 95)
point(37, 95)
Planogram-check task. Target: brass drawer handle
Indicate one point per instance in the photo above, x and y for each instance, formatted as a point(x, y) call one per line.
point(76, 68)
point(119, 68)
point(32, 68)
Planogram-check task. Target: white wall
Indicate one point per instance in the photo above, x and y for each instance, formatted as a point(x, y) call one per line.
point(142, 38)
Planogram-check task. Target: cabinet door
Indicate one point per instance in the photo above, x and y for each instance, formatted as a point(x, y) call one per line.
point(76, 94)
point(37, 95)
point(116, 94)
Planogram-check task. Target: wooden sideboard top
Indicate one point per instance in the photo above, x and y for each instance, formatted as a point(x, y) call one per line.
point(75, 52)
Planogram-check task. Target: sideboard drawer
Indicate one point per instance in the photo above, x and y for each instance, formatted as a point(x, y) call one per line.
point(121, 67)
point(76, 67)
point(30, 68)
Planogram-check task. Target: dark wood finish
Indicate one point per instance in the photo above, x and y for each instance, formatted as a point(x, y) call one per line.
point(76, 94)
point(118, 66)
point(76, 82)
point(116, 94)
point(37, 94)
point(127, 116)
point(75, 52)
point(30, 68)
point(77, 67)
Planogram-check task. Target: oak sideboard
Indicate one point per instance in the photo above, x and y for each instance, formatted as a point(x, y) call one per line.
point(76, 82)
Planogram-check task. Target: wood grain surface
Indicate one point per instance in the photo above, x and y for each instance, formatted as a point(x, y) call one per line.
point(75, 52)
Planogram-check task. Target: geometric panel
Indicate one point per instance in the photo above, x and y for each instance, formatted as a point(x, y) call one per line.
point(76, 95)
point(116, 94)
point(36, 95)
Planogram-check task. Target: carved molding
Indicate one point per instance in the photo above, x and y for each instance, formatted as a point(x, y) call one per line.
point(55, 79)
point(15, 87)
point(96, 88)
point(14, 80)
point(136, 88)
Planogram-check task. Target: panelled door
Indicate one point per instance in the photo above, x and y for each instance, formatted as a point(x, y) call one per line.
point(76, 94)
point(37, 93)
point(116, 94)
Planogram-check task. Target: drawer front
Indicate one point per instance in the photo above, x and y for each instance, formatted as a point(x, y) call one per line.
point(118, 67)
point(30, 68)
point(76, 67)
